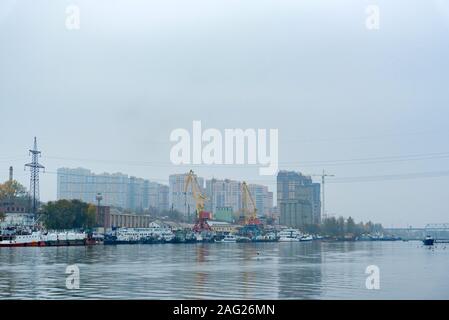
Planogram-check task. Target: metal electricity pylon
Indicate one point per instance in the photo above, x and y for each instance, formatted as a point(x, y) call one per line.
point(35, 166)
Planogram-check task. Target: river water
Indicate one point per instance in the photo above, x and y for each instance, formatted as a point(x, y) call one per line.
point(313, 270)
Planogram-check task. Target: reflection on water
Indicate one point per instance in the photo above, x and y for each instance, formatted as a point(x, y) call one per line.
point(227, 271)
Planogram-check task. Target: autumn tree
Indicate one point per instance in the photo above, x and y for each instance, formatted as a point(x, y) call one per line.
point(12, 190)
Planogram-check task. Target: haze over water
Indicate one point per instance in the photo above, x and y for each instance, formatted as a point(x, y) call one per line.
point(228, 271)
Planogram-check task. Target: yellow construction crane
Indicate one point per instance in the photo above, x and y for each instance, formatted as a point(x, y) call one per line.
point(200, 199)
point(196, 191)
point(249, 209)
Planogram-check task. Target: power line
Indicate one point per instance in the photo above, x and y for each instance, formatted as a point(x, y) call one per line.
point(403, 176)
point(305, 163)
point(349, 179)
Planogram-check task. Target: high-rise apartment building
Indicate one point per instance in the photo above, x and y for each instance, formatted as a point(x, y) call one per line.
point(228, 193)
point(298, 199)
point(118, 190)
point(262, 198)
point(223, 193)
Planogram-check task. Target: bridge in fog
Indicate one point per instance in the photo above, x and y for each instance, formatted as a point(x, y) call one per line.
point(440, 231)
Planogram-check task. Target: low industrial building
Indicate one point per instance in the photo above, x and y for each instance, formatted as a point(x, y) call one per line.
point(222, 227)
point(113, 218)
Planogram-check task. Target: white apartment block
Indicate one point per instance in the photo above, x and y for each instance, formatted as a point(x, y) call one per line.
point(117, 189)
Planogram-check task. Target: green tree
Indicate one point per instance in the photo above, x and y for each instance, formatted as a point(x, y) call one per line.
point(330, 227)
point(369, 227)
point(13, 191)
point(312, 228)
point(350, 226)
point(91, 216)
point(66, 214)
point(341, 226)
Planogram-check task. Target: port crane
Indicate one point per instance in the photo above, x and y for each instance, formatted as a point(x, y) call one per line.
point(201, 215)
point(249, 210)
point(251, 225)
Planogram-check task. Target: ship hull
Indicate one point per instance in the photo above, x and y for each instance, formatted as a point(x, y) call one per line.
point(23, 244)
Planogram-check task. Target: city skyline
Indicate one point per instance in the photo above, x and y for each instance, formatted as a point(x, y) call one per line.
point(136, 193)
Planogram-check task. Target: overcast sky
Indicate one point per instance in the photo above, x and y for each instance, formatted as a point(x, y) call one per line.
point(107, 96)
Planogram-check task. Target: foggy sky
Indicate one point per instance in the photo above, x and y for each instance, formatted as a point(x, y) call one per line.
point(107, 96)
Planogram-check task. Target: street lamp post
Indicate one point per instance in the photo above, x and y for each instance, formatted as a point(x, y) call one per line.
point(99, 197)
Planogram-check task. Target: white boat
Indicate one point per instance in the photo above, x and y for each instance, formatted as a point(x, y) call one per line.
point(289, 235)
point(167, 236)
point(61, 238)
point(306, 237)
point(33, 239)
point(229, 238)
point(199, 237)
point(154, 231)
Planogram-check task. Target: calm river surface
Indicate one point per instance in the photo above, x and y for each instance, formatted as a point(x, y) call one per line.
point(315, 270)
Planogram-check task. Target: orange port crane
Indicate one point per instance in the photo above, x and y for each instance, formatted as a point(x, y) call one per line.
point(201, 215)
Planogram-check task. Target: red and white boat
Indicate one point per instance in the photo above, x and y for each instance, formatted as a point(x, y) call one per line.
point(34, 239)
point(40, 239)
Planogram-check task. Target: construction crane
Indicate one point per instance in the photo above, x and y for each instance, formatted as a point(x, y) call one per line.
point(201, 215)
point(249, 210)
point(323, 178)
point(248, 218)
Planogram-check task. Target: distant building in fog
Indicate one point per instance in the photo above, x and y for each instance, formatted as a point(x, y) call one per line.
point(228, 193)
point(262, 198)
point(118, 190)
point(223, 193)
point(298, 199)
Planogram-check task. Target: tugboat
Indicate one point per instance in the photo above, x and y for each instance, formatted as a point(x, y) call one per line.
point(428, 241)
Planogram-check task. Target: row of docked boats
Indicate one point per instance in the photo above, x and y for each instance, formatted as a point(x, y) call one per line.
point(159, 234)
point(155, 233)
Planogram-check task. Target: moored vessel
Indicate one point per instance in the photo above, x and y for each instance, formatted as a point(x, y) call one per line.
point(229, 238)
point(41, 239)
point(306, 237)
point(428, 241)
point(289, 235)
